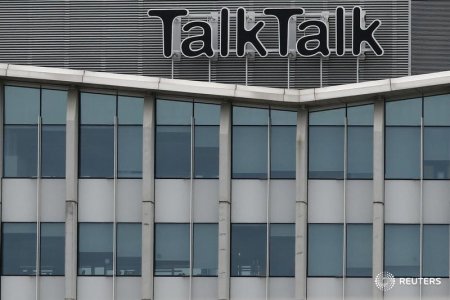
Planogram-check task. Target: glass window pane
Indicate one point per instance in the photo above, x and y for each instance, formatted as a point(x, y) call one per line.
point(401, 250)
point(130, 110)
point(95, 246)
point(283, 145)
point(282, 250)
point(129, 238)
point(248, 249)
point(249, 152)
point(250, 116)
point(435, 110)
point(52, 249)
point(326, 152)
point(404, 112)
point(53, 151)
point(435, 251)
point(360, 152)
point(206, 152)
point(54, 104)
point(283, 117)
point(97, 151)
point(360, 115)
point(325, 250)
point(205, 250)
point(436, 160)
point(97, 108)
point(402, 153)
point(172, 249)
point(130, 151)
point(173, 112)
point(359, 250)
point(206, 114)
point(327, 117)
point(18, 249)
point(173, 151)
point(20, 150)
point(22, 105)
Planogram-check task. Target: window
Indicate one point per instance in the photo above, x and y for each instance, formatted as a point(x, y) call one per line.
point(205, 250)
point(325, 246)
point(95, 249)
point(52, 249)
point(27, 111)
point(435, 258)
point(248, 249)
point(129, 236)
point(359, 250)
point(282, 250)
point(283, 144)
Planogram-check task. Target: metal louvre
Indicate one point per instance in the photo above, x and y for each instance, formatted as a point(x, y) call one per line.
point(117, 36)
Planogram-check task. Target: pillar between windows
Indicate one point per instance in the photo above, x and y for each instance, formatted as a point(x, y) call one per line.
point(2, 88)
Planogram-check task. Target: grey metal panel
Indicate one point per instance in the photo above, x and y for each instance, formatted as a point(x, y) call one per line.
point(117, 36)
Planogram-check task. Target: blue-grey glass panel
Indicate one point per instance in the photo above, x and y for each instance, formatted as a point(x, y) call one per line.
point(360, 152)
point(129, 151)
point(97, 109)
point(173, 112)
point(205, 250)
point(360, 115)
point(20, 150)
point(282, 155)
point(130, 110)
point(326, 152)
point(206, 152)
point(22, 105)
point(327, 117)
point(402, 250)
point(95, 249)
point(282, 250)
point(402, 153)
point(435, 251)
point(18, 249)
point(359, 250)
point(248, 249)
point(436, 160)
point(283, 117)
point(249, 151)
point(96, 151)
point(53, 162)
point(54, 106)
point(436, 110)
point(206, 114)
point(173, 151)
point(52, 249)
point(129, 238)
point(250, 116)
point(171, 249)
point(325, 250)
point(404, 112)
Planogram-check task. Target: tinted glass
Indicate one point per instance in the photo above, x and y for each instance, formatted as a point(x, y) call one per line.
point(18, 249)
point(54, 104)
point(325, 250)
point(435, 251)
point(401, 250)
point(20, 151)
point(53, 154)
point(436, 110)
point(248, 249)
point(206, 114)
point(360, 115)
point(173, 112)
point(172, 249)
point(282, 250)
point(282, 155)
point(436, 156)
point(250, 116)
point(327, 117)
point(96, 151)
point(281, 117)
point(404, 112)
point(360, 152)
point(205, 250)
point(359, 250)
point(129, 238)
point(97, 108)
point(130, 151)
point(52, 249)
point(130, 110)
point(206, 151)
point(22, 105)
point(95, 246)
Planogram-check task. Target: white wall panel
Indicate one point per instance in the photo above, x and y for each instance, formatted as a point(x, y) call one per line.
point(204, 288)
point(19, 200)
point(246, 288)
point(436, 292)
point(95, 200)
point(436, 201)
point(128, 288)
point(18, 288)
point(281, 288)
point(282, 201)
point(358, 288)
point(324, 288)
point(248, 201)
point(53, 200)
point(52, 287)
point(359, 201)
point(325, 201)
point(94, 288)
point(172, 200)
point(129, 200)
point(206, 200)
point(402, 201)
point(171, 288)
point(409, 292)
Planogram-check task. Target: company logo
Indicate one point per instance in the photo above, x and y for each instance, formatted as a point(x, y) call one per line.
point(385, 281)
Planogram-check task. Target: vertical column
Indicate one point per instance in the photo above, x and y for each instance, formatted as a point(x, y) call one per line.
point(301, 205)
point(378, 194)
point(224, 202)
point(1, 157)
point(148, 196)
point(71, 195)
